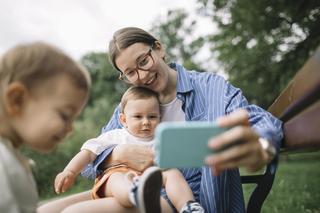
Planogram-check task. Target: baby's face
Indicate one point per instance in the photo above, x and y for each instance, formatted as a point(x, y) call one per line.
point(49, 112)
point(142, 116)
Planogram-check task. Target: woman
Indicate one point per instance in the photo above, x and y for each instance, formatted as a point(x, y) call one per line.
point(192, 96)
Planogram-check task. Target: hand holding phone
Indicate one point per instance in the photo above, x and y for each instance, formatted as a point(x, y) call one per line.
point(184, 144)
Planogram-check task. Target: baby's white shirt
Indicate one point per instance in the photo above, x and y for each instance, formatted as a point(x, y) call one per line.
point(115, 137)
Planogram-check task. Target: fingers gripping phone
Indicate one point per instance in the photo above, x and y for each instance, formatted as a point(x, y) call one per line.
point(184, 144)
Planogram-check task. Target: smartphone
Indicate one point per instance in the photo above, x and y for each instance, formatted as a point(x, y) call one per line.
point(184, 144)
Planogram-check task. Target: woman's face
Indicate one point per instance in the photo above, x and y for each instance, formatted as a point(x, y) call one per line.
point(156, 77)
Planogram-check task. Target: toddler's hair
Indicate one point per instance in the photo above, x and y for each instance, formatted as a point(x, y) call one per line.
point(31, 63)
point(136, 93)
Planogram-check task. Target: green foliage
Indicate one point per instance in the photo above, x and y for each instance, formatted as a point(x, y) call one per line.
point(105, 83)
point(45, 169)
point(261, 44)
point(176, 32)
point(296, 186)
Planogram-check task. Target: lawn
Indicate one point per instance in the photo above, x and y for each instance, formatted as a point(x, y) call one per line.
point(296, 188)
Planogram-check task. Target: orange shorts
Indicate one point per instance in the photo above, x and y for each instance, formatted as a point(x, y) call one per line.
point(100, 182)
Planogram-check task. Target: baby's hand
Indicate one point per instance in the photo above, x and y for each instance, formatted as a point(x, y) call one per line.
point(64, 180)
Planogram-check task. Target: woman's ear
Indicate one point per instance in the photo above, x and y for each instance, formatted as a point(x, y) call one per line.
point(123, 119)
point(15, 96)
point(158, 46)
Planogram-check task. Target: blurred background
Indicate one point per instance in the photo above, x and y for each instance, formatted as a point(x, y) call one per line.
point(257, 45)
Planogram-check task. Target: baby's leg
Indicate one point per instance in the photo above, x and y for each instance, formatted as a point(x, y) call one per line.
point(143, 192)
point(118, 186)
point(165, 207)
point(177, 188)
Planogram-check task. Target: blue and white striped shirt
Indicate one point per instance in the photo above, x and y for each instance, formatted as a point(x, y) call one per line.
point(206, 96)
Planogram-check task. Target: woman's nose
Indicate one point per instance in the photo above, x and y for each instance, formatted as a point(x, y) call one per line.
point(142, 74)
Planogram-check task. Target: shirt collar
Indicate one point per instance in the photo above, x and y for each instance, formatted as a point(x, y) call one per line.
point(183, 81)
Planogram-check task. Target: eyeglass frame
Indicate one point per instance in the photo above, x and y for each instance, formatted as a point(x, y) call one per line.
point(122, 76)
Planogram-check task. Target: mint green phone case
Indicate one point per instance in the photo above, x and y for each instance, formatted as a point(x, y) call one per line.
point(183, 144)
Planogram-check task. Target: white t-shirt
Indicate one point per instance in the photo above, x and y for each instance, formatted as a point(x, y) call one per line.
point(172, 111)
point(116, 136)
point(17, 185)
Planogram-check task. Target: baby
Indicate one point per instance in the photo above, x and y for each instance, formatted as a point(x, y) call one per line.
point(140, 114)
point(42, 92)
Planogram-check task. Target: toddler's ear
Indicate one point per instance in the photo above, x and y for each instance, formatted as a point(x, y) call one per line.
point(14, 97)
point(122, 119)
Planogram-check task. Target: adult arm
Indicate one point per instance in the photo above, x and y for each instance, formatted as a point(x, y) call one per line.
point(247, 123)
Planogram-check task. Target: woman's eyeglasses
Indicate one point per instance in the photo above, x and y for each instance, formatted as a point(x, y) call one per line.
point(144, 63)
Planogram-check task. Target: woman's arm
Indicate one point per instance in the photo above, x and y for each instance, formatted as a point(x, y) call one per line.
point(135, 156)
point(246, 123)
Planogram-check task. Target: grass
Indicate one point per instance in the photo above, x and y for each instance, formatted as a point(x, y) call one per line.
point(296, 187)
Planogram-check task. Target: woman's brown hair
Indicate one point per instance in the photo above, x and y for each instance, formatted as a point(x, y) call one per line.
point(125, 37)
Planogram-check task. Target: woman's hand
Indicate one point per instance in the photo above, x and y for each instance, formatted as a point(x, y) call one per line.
point(247, 153)
point(135, 156)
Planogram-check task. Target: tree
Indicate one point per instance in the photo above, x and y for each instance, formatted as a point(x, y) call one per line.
point(176, 32)
point(105, 83)
point(261, 44)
